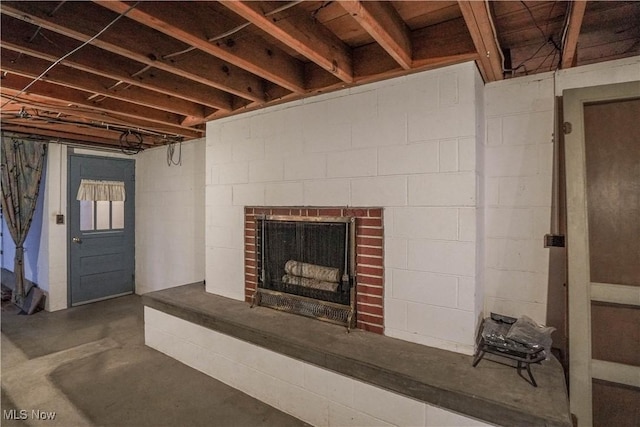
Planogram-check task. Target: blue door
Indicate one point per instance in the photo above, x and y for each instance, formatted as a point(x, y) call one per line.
point(101, 233)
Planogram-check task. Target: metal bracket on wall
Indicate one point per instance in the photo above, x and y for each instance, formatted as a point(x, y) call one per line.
point(554, 240)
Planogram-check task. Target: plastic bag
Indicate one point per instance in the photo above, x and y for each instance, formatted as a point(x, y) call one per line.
point(494, 332)
point(526, 331)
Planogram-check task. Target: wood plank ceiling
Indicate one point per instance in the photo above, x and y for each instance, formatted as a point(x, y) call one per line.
point(150, 73)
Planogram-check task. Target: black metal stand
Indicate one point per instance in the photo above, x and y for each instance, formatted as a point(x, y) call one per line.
point(523, 357)
point(512, 350)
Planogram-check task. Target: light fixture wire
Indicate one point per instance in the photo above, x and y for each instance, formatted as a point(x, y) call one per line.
point(171, 151)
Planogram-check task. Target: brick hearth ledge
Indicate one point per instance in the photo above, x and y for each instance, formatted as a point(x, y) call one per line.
point(322, 375)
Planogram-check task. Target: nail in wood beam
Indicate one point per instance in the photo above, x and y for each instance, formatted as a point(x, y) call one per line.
point(478, 22)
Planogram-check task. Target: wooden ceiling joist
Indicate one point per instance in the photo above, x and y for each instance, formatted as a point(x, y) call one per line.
point(48, 94)
point(74, 132)
point(302, 34)
point(576, 14)
point(92, 60)
point(34, 121)
point(82, 99)
point(383, 23)
point(64, 76)
point(39, 106)
point(206, 70)
point(478, 22)
point(59, 134)
point(165, 68)
point(277, 68)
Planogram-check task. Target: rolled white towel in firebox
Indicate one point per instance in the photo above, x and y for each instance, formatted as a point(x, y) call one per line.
point(312, 271)
point(310, 283)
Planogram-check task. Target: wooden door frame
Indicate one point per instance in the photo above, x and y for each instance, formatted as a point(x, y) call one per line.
point(579, 283)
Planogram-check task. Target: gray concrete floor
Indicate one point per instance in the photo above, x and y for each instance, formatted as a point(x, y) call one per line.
point(89, 366)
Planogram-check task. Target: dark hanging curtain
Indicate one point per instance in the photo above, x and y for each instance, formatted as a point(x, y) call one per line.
point(22, 163)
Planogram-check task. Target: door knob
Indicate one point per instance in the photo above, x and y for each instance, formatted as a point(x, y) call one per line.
point(76, 240)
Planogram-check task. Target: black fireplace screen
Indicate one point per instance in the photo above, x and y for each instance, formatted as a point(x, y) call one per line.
point(306, 258)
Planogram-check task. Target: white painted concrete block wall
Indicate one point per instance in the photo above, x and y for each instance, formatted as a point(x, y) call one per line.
point(51, 269)
point(475, 226)
point(518, 165)
point(170, 218)
point(315, 395)
point(408, 145)
point(518, 170)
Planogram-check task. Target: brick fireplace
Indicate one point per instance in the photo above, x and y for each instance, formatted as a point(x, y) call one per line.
point(369, 252)
point(401, 153)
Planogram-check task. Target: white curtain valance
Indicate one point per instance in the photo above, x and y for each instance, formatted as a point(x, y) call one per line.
point(112, 191)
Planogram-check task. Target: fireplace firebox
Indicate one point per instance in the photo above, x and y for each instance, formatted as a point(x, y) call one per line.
point(306, 265)
point(310, 279)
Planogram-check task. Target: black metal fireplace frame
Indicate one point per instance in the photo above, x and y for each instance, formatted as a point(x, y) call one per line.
point(342, 314)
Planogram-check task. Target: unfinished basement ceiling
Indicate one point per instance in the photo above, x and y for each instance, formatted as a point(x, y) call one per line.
point(107, 72)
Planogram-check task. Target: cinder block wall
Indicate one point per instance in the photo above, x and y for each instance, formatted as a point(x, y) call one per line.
point(408, 145)
point(518, 173)
point(518, 181)
point(170, 218)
